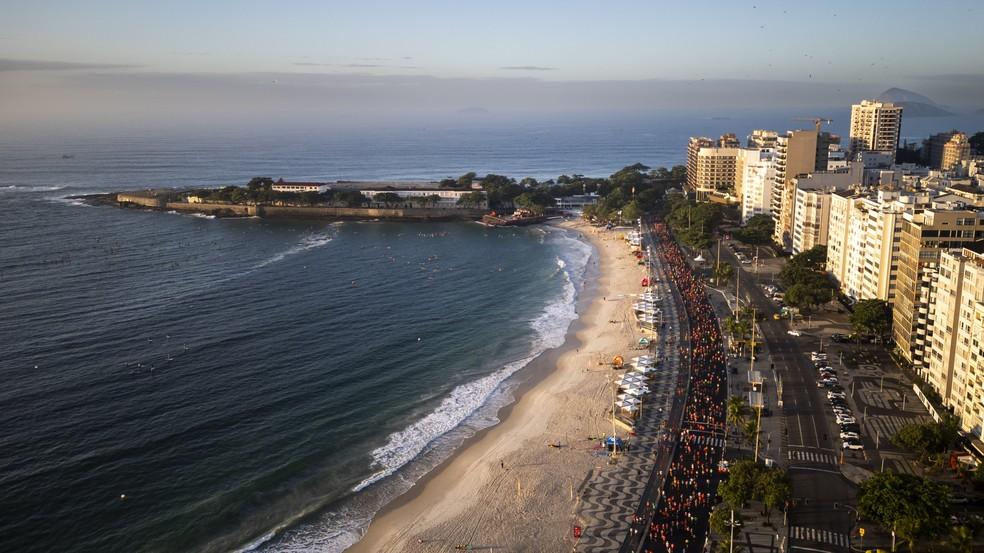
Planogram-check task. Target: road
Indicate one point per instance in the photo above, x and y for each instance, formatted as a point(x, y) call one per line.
point(818, 522)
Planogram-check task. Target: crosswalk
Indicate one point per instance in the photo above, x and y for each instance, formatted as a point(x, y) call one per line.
point(715, 441)
point(819, 536)
point(812, 456)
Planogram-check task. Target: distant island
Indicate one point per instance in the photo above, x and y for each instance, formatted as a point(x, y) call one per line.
point(913, 104)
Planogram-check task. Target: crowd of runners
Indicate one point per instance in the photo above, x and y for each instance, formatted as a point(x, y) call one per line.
point(680, 523)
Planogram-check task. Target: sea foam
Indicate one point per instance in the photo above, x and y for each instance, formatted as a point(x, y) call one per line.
point(338, 530)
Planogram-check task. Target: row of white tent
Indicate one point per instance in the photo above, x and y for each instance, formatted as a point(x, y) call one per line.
point(634, 383)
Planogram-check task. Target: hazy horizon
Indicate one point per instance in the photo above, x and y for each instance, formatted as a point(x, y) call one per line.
point(114, 63)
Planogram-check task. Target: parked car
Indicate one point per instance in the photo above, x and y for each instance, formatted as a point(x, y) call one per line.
point(846, 419)
point(839, 338)
point(854, 445)
point(853, 427)
point(794, 333)
point(818, 356)
point(849, 436)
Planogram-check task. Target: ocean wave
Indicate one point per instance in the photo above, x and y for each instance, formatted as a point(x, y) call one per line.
point(405, 445)
point(472, 405)
point(21, 188)
point(550, 328)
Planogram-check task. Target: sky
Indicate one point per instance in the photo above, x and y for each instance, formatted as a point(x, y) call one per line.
point(135, 59)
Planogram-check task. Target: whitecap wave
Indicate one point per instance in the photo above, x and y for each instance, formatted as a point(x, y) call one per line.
point(22, 188)
point(472, 404)
point(203, 216)
point(550, 328)
point(308, 242)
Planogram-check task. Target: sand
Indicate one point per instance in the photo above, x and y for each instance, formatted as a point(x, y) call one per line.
point(506, 489)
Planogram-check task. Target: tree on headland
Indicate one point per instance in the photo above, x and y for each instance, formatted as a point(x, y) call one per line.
point(465, 181)
point(472, 199)
point(431, 199)
point(349, 198)
point(387, 198)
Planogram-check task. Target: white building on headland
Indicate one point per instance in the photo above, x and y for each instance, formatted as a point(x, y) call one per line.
point(300, 187)
point(445, 197)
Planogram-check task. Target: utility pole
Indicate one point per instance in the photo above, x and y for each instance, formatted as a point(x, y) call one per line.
point(737, 288)
point(731, 542)
point(717, 266)
point(751, 368)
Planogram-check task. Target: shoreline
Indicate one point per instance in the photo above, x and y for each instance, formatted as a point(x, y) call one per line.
point(476, 495)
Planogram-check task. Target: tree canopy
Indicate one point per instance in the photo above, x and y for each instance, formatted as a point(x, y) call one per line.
point(757, 230)
point(914, 508)
point(472, 199)
point(806, 282)
point(872, 316)
point(694, 223)
point(748, 480)
point(929, 438)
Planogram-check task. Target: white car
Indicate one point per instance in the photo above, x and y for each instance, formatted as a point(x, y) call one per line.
point(841, 419)
point(853, 445)
point(849, 436)
point(794, 333)
point(837, 395)
point(818, 356)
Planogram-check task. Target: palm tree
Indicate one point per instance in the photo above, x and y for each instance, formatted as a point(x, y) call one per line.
point(736, 410)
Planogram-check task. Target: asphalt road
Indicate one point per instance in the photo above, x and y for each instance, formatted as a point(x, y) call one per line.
point(818, 520)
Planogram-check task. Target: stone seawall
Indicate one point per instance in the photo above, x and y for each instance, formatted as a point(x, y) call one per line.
point(299, 212)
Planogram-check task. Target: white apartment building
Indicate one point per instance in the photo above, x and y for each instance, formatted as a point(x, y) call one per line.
point(809, 210)
point(755, 178)
point(955, 364)
point(875, 126)
point(864, 240)
point(811, 219)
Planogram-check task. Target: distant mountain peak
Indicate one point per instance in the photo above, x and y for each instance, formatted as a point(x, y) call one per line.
point(913, 104)
point(903, 95)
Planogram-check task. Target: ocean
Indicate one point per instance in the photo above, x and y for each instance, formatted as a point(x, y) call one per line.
point(176, 383)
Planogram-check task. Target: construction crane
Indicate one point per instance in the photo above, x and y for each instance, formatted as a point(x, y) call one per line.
point(816, 120)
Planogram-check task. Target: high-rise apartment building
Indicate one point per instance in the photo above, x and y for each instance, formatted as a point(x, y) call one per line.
point(875, 126)
point(796, 154)
point(955, 150)
point(933, 148)
point(811, 205)
point(924, 237)
point(755, 176)
point(762, 139)
point(693, 147)
point(955, 360)
point(711, 167)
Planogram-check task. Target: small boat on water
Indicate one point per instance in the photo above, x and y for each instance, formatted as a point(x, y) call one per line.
point(521, 217)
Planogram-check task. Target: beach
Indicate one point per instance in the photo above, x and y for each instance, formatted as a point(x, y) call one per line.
point(515, 486)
